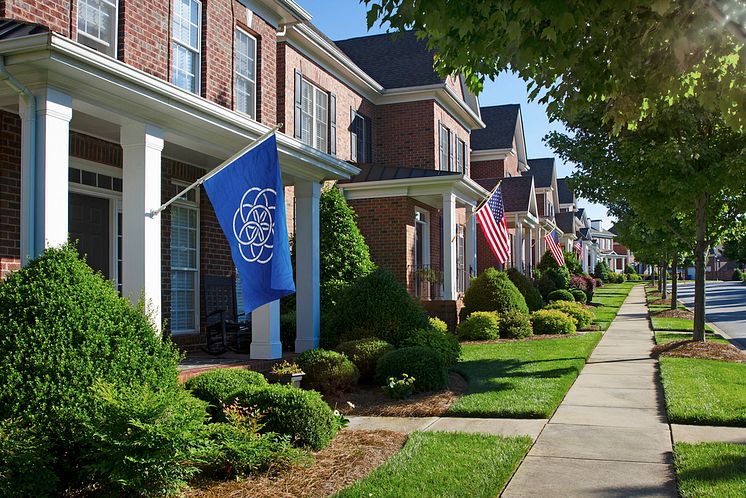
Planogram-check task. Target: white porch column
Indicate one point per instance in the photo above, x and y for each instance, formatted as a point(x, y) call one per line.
point(518, 242)
point(265, 332)
point(449, 251)
point(527, 251)
point(308, 311)
point(44, 192)
point(470, 236)
point(141, 234)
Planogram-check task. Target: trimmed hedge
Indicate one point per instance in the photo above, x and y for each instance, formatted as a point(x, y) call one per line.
point(420, 362)
point(492, 291)
point(444, 344)
point(530, 293)
point(327, 371)
point(480, 326)
point(579, 296)
point(220, 384)
point(365, 353)
point(515, 325)
point(561, 295)
point(582, 317)
point(552, 322)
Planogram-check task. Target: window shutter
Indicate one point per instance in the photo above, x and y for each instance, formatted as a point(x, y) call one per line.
point(353, 135)
point(368, 141)
point(333, 124)
point(440, 145)
point(298, 104)
point(450, 150)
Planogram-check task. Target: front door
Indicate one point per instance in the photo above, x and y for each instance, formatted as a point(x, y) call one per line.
point(88, 223)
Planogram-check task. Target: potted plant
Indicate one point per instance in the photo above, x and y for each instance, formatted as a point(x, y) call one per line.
point(286, 372)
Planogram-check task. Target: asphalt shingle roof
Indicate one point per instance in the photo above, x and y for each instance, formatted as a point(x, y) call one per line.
point(374, 172)
point(501, 123)
point(393, 60)
point(516, 191)
point(565, 221)
point(10, 28)
point(564, 192)
point(541, 170)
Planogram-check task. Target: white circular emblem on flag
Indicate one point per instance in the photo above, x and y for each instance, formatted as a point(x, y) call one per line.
point(254, 224)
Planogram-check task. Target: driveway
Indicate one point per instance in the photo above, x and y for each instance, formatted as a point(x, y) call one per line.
point(726, 307)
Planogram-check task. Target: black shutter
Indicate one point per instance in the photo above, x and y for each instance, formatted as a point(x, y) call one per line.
point(368, 141)
point(333, 124)
point(298, 104)
point(440, 146)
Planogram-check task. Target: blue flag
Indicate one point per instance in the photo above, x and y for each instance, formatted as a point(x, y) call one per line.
point(249, 202)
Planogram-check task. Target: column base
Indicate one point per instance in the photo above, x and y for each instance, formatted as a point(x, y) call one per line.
point(265, 350)
point(305, 344)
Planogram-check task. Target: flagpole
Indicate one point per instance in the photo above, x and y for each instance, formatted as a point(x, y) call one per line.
point(479, 206)
point(215, 171)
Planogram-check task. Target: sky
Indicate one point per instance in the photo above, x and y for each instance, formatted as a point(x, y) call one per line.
point(341, 19)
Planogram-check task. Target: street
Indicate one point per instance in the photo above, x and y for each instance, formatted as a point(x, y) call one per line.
point(726, 307)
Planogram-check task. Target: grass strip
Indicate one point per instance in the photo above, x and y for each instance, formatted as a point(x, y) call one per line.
point(442, 464)
point(524, 379)
point(710, 469)
point(681, 324)
point(666, 337)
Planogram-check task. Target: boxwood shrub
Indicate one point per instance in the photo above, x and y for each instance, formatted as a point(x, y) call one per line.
point(515, 324)
point(582, 316)
point(492, 291)
point(302, 415)
point(422, 363)
point(327, 371)
point(561, 295)
point(444, 344)
point(552, 322)
point(527, 289)
point(480, 326)
point(365, 353)
point(579, 296)
point(25, 461)
point(222, 384)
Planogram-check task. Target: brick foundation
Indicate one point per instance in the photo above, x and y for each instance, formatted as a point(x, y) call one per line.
point(448, 311)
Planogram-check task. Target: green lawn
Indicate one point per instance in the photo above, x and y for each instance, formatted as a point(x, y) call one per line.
point(440, 464)
point(666, 337)
point(704, 392)
point(710, 469)
point(609, 299)
point(682, 324)
point(525, 379)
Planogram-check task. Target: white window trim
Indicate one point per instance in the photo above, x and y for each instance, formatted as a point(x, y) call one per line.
point(197, 49)
point(315, 90)
point(198, 274)
point(80, 33)
point(423, 216)
point(256, 87)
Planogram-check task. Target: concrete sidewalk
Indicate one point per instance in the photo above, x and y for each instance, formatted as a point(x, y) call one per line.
point(610, 436)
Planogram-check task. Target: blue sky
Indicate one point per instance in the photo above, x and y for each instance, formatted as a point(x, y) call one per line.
point(340, 19)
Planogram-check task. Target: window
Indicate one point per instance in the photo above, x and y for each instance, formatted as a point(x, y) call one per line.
point(185, 264)
point(97, 25)
point(443, 148)
point(185, 68)
point(451, 158)
point(314, 116)
point(460, 150)
point(360, 139)
point(245, 73)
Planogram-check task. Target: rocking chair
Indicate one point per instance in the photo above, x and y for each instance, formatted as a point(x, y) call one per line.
point(226, 329)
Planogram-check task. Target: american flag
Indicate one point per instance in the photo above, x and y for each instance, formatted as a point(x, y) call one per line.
point(578, 247)
point(553, 244)
point(491, 218)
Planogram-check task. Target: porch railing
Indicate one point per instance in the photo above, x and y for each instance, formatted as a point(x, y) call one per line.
point(427, 281)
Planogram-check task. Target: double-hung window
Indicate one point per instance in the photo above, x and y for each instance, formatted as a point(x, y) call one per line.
point(97, 25)
point(185, 264)
point(314, 116)
point(245, 73)
point(360, 138)
point(459, 156)
point(185, 66)
point(443, 148)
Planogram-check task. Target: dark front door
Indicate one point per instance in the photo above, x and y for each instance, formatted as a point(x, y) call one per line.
point(89, 226)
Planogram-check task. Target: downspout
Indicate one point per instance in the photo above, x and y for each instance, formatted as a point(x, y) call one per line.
point(27, 184)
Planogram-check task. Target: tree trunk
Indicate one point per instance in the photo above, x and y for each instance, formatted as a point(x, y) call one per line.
point(660, 278)
point(700, 254)
point(664, 279)
point(674, 280)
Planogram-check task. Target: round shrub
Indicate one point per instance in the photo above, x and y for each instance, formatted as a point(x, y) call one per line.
point(63, 328)
point(438, 324)
point(515, 325)
point(737, 275)
point(376, 305)
point(327, 371)
point(365, 353)
point(561, 295)
point(579, 296)
point(302, 415)
point(530, 293)
point(552, 322)
point(585, 283)
point(220, 384)
point(576, 311)
point(492, 291)
point(422, 363)
point(480, 326)
point(444, 344)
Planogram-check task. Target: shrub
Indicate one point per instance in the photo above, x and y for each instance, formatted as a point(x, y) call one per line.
point(444, 344)
point(437, 324)
point(376, 305)
point(602, 271)
point(552, 322)
point(288, 330)
point(530, 293)
point(598, 283)
point(365, 353)
point(585, 283)
point(552, 276)
point(577, 312)
point(634, 277)
point(572, 263)
point(25, 461)
point(579, 296)
point(220, 384)
point(327, 371)
point(630, 270)
point(144, 442)
point(399, 388)
point(480, 326)
point(63, 327)
point(422, 363)
point(302, 415)
point(515, 325)
point(561, 295)
point(737, 275)
point(492, 291)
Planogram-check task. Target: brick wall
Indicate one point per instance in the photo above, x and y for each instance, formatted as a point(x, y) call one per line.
point(481, 170)
point(144, 35)
point(405, 135)
point(441, 116)
point(56, 14)
point(10, 192)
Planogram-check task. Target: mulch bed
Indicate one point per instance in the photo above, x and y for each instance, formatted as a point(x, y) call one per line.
point(696, 349)
point(371, 401)
point(667, 302)
point(351, 456)
point(674, 314)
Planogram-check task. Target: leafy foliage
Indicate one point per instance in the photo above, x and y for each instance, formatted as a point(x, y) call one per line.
point(602, 271)
point(630, 270)
point(515, 324)
point(365, 354)
point(561, 295)
point(579, 296)
point(585, 283)
point(443, 343)
point(550, 321)
point(572, 262)
point(735, 249)
point(327, 371)
point(399, 388)
point(221, 384)
point(527, 289)
point(424, 364)
point(480, 326)
point(288, 330)
point(582, 316)
point(492, 291)
point(25, 461)
point(737, 275)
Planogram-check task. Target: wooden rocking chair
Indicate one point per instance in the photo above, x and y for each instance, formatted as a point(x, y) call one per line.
point(226, 329)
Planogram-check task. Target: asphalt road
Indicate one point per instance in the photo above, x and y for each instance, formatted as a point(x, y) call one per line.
point(726, 307)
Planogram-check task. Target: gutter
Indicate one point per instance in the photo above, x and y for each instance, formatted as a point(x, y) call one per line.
point(28, 200)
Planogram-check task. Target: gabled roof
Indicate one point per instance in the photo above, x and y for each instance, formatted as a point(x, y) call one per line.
point(565, 221)
point(10, 28)
point(501, 121)
point(614, 229)
point(585, 234)
point(566, 196)
point(579, 213)
point(394, 60)
point(542, 171)
point(374, 172)
point(516, 192)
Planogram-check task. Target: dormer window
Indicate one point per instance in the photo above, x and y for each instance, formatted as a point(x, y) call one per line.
point(97, 25)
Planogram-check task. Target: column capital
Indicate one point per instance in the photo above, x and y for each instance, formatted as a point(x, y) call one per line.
point(307, 189)
point(54, 103)
point(138, 134)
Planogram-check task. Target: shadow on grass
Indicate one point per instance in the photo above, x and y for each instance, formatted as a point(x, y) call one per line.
point(482, 374)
